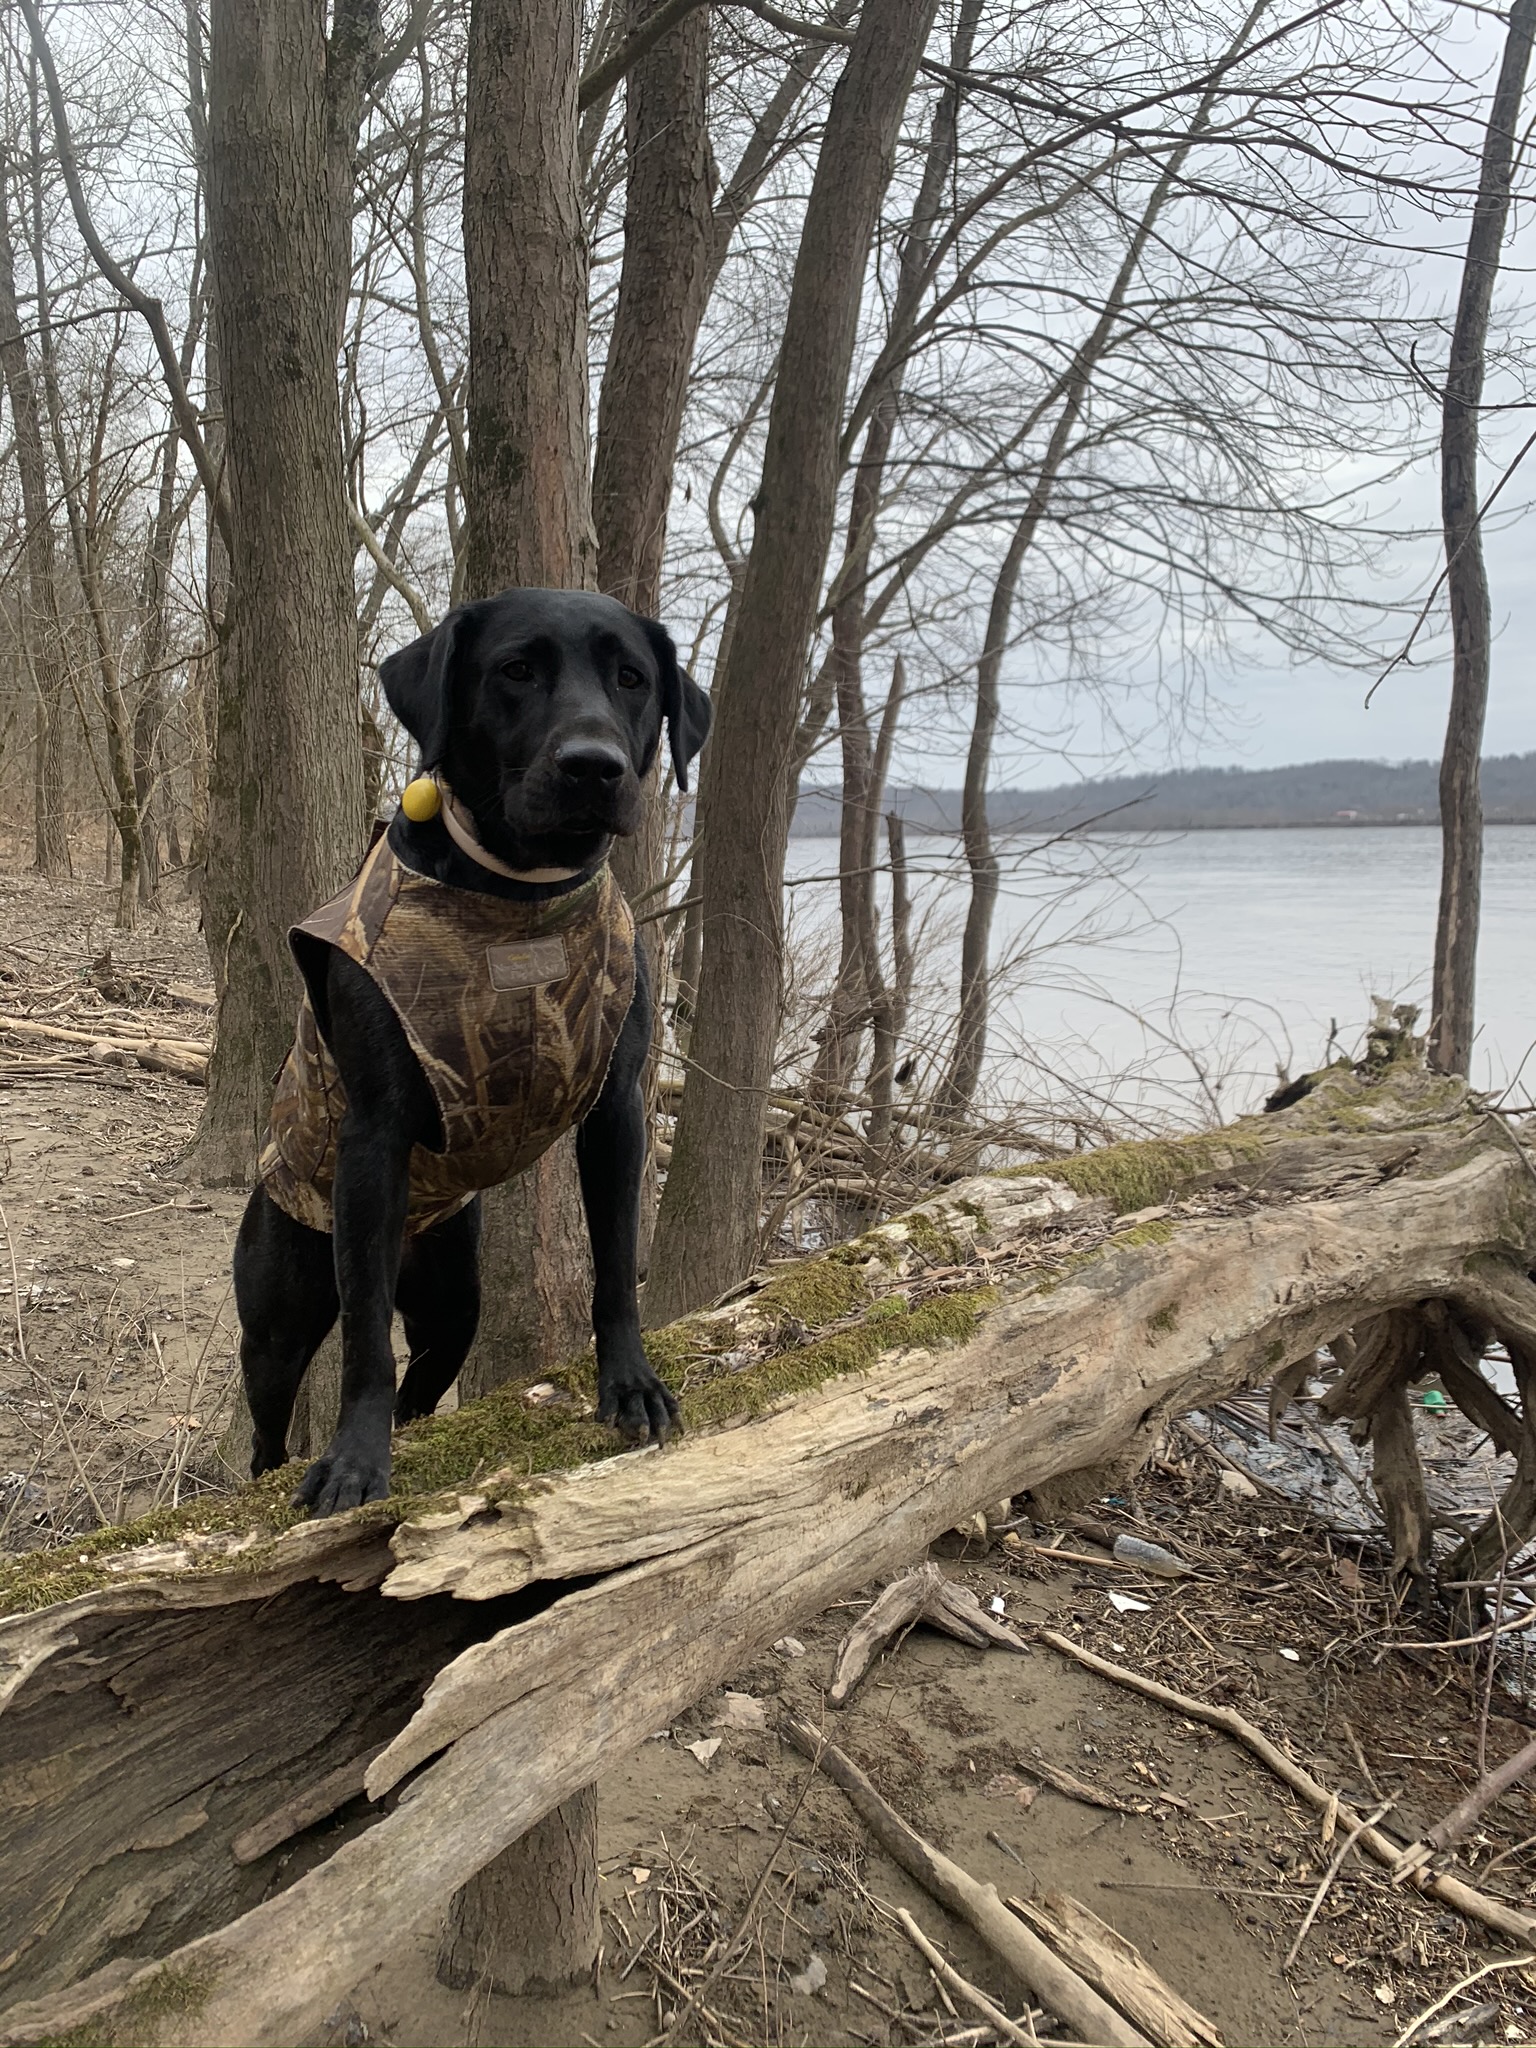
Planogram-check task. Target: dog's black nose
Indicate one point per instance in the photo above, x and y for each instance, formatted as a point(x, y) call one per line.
point(591, 762)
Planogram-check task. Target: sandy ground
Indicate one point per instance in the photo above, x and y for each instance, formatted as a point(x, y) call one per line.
point(117, 1349)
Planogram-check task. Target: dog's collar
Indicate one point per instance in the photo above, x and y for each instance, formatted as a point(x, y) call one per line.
point(462, 833)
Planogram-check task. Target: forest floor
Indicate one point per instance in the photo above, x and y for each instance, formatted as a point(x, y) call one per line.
point(117, 1349)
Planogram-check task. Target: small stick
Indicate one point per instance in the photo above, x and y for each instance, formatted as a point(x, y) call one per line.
point(1488, 1970)
point(961, 1986)
point(1328, 1876)
point(1465, 1812)
point(1464, 1898)
point(1038, 1968)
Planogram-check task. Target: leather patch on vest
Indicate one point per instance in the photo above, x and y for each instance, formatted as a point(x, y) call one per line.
point(528, 965)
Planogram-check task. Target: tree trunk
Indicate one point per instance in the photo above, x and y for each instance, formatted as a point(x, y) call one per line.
point(519, 1635)
point(40, 617)
point(706, 1232)
point(1466, 578)
point(286, 816)
point(528, 521)
point(859, 993)
point(542, 1909)
point(664, 286)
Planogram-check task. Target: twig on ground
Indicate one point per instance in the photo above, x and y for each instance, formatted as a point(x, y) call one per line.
point(961, 1986)
point(1327, 1884)
point(1465, 1984)
point(1451, 1891)
point(1038, 1969)
point(1465, 1813)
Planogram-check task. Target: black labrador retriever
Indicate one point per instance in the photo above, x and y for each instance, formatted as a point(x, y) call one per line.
point(539, 712)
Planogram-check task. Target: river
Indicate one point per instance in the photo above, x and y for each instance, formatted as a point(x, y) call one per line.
point(1166, 977)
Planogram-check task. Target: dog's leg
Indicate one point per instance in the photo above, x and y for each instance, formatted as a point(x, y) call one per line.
point(389, 1109)
point(610, 1152)
point(438, 1296)
point(285, 1292)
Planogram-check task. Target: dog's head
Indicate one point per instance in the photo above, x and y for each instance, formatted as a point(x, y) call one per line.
point(543, 709)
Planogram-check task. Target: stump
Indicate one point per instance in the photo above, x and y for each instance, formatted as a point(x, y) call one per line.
point(528, 1921)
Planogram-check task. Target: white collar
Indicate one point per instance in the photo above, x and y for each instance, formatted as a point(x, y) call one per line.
point(462, 833)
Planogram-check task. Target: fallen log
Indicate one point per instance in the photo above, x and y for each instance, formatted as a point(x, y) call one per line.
point(532, 1603)
point(182, 1057)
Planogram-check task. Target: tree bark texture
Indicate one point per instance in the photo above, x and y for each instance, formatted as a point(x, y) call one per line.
point(519, 1634)
point(40, 627)
point(537, 1929)
point(706, 1231)
point(528, 520)
point(286, 808)
point(1453, 996)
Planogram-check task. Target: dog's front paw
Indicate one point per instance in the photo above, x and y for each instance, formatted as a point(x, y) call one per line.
point(350, 1472)
point(635, 1401)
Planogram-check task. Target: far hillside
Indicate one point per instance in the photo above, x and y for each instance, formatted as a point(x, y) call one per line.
point(1342, 793)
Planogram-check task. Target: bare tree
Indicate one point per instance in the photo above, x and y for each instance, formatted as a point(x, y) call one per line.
point(286, 823)
point(40, 615)
point(1461, 808)
point(707, 1227)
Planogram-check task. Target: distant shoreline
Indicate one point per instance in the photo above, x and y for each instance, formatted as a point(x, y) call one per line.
point(1311, 796)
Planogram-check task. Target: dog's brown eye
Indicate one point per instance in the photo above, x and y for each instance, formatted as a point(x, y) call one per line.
point(518, 671)
point(631, 678)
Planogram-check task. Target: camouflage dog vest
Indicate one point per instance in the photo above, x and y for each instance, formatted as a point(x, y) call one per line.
point(512, 1008)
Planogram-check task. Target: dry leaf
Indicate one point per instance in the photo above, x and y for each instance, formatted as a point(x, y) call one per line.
point(1349, 1574)
point(705, 1750)
point(1240, 1484)
point(740, 1710)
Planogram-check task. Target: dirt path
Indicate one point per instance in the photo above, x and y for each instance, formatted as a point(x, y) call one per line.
point(122, 1273)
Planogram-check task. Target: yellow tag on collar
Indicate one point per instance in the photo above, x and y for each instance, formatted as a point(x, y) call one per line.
point(422, 800)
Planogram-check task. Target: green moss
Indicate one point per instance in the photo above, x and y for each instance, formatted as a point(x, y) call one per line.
point(1143, 1173)
point(948, 1319)
point(1163, 1323)
point(813, 1292)
point(1157, 1231)
point(935, 1240)
point(175, 1992)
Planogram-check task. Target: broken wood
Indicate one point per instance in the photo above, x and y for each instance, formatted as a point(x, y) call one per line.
point(186, 1060)
point(1465, 1814)
point(1042, 1973)
point(533, 1603)
point(1077, 1788)
point(1464, 1898)
point(921, 1595)
point(1117, 1969)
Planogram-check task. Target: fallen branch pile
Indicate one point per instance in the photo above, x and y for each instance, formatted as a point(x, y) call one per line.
point(185, 1704)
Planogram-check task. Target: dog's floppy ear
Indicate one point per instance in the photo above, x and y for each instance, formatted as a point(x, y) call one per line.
point(418, 682)
point(683, 704)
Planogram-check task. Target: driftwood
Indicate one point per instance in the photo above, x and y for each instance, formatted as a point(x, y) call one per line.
point(923, 1595)
point(1042, 1973)
point(182, 1057)
point(1116, 1969)
point(533, 1604)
